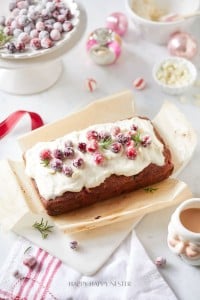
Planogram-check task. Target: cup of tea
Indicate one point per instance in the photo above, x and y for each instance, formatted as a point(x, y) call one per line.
point(184, 231)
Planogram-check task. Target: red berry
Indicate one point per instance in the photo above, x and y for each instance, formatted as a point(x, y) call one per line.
point(92, 134)
point(56, 164)
point(45, 154)
point(134, 127)
point(30, 262)
point(146, 141)
point(67, 171)
point(57, 153)
point(82, 147)
point(99, 158)
point(115, 130)
point(78, 163)
point(116, 147)
point(92, 146)
point(123, 138)
point(131, 152)
point(69, 152)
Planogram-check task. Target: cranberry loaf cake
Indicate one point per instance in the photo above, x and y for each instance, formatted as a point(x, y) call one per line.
point(97, 163)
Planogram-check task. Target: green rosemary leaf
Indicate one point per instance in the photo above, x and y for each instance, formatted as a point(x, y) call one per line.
point(136, 138)
point(43, 228)
point(150, 189)
point(27, 249)
point(4, 38)
point(105, 144)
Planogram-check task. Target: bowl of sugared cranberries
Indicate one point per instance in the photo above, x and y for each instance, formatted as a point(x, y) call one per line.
point(30, 28)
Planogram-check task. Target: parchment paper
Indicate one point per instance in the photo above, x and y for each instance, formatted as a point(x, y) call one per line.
point(19, 197)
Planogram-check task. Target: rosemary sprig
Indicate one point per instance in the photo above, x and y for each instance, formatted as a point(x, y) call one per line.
point(4, 38)
point(43, 228)
point(45, 162)
point(150, 189)
point(104, 144)
point(136, 138)
point(27, 250)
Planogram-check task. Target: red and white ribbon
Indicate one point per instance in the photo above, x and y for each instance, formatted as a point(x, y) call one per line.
point(10, 122)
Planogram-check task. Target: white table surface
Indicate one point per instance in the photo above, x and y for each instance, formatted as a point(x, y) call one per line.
point(69, 94)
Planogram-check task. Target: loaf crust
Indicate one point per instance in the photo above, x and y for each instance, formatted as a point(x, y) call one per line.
point(111, 187)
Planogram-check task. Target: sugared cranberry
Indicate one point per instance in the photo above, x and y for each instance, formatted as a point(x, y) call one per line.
point(134, 127)
point(43, 34)
point(56, 164)
point(55, 35)
point(20, 46)
point(45, 154)
point(24, 38)
point(46, 43)
point(67, 171)
point(115, 130)
point(82, 147)
point(35, 43)
point(131, 152)
point(146, 141)
point(69, 152)
point(116, 147)
point(67, 26)
point(74, 245)
point(11, 47)
point(58, 26)
point(78, 163)
point(123, 138)
point(61, 18)
point(30, 262)
point(92, 146)
point(99, 158)
point(92, 134)
point(12, 6)
point(104, 135)
point(40, 26)
point(57, 153)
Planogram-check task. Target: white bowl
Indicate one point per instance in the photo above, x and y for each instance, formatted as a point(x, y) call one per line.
point(159, 32)
point(179, 83)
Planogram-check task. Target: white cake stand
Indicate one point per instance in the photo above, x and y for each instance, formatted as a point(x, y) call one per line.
point(35, 74)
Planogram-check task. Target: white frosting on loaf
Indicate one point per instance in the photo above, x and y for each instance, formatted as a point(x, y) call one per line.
point(53, 183)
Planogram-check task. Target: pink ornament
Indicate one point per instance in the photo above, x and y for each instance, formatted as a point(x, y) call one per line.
point(182, 44)
point(117, 22)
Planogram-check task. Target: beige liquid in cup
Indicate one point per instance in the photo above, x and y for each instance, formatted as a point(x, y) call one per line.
point(190, 218)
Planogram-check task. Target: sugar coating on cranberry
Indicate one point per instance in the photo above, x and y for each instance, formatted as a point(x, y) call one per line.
point(30, 262)
point(35, 43)
point(69, 152)
point(116, 147)
point(82, 147)
point(45, 154)
point(123, 138)
point(57, 153)
point(78, 163)
point(131, 152)
point(46, 43)
point(92, 134)
point(146, 141)
point(99, 158)
point(92, 146)
point(56, 164)
point(67, 26)
point(33, 17)
point(24, 37)
point(67, 171)
point(55, 35)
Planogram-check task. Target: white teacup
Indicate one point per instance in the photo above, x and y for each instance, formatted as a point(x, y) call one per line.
point(184, 231)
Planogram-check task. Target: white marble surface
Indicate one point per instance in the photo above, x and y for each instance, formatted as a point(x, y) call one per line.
point(69, 94)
